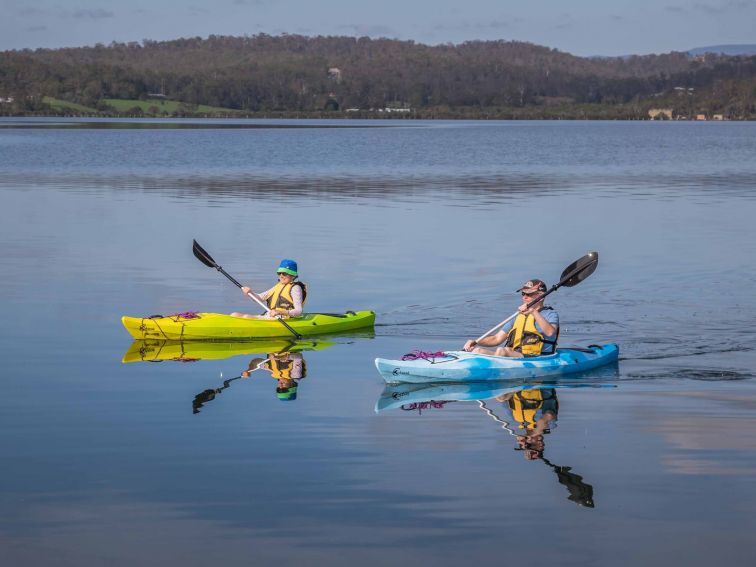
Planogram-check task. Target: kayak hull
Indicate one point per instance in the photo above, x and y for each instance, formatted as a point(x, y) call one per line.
point(460, 366)
point(216, 326)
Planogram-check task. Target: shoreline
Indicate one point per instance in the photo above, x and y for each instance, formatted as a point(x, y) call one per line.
point(556, 117)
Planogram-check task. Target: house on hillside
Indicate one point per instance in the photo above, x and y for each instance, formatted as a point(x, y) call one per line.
point(660, 114)
point(334, 73)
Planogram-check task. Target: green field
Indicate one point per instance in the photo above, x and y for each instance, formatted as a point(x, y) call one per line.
point(167, 107)
point(147, 107)
point(64, 106)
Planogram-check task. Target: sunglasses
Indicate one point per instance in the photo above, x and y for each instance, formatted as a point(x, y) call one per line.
point(531, 294)
point(282, 274)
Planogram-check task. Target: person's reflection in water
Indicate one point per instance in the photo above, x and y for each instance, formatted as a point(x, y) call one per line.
point(286, 367)
point(535, 412)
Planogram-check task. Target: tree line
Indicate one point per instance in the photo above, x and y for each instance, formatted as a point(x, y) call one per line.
point(292, 73)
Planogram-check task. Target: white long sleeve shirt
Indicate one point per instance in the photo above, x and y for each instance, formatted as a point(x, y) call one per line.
point(296, 296)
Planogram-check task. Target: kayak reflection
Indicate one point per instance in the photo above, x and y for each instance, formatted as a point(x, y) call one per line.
point(528, 412)
point(281, 359)
point(287, 368)
point(154, 350)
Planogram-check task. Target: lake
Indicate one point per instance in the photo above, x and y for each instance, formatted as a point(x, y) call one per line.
point(171, 459)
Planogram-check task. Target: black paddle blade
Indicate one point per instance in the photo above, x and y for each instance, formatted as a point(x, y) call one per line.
point(202, 398)
point(203, 256)
point(581, 493)
point(579, 270)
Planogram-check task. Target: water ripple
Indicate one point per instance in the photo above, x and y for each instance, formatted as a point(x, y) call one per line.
point(483, 189)
point(702, 374)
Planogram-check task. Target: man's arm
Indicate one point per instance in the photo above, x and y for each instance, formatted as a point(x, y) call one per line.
point(546, 327)
point(490, 340)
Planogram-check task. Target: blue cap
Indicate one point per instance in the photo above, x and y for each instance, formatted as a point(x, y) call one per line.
point(288, 267)
point(287, 394)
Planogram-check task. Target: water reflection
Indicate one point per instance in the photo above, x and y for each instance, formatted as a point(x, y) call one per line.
point(466, 190)
point(158, 350)
point(535, 412)
point(287, 368)
point(283, 360)
point(136, 124)
point(527, 413)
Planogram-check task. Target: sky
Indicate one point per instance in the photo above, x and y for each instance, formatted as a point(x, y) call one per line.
point(580, 27)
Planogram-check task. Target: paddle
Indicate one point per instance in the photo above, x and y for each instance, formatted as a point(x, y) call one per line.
point(580, 492)
point(209, 395)
point(202, 255)
point(571, 276)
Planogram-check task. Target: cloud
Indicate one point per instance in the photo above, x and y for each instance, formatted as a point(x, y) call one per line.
point(497, 24)
point(36, 29)
point(79, 14)
point(566, 21)
point(712, 9)
point(730, 6)
point(92, 14)
point(30, 12)
point(370, 30)
point(257, 3)
point(494, 25)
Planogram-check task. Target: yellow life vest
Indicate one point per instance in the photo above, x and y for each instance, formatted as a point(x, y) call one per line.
point(281, 296)
point(525, 337)
point(526, 403)
point(281, 368)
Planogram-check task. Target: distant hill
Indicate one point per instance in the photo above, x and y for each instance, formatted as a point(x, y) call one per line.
point(744, 49)
point(299, 75)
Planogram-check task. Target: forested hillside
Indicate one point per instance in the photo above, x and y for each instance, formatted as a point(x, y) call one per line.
point(315, 75)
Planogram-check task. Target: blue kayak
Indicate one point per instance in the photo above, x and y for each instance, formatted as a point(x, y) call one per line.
point(461, 366)
point(401, 395)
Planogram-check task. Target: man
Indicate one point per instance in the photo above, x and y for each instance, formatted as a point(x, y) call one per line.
point(533, 332)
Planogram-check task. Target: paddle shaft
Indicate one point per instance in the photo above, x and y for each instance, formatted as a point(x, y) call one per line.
point(257, 366)
point(588, 268)
point(513, 315)
point(251, 295)
point(208, 395)
point(227, 383)
point(202, 255)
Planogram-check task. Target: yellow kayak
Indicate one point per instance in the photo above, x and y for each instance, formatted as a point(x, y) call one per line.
point(215, 326)
point(155, 350)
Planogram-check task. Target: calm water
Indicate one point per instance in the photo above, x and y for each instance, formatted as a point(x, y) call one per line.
point(433, 225)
